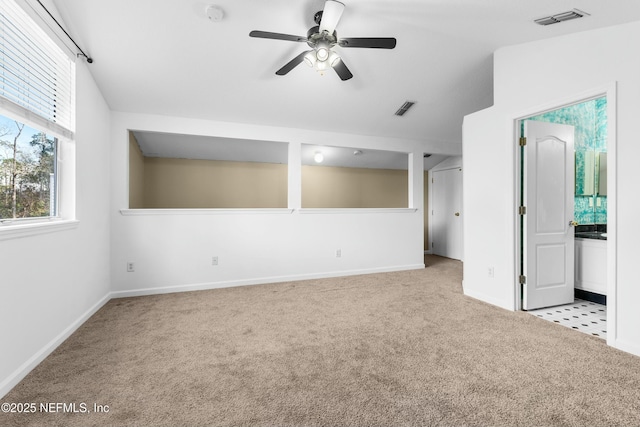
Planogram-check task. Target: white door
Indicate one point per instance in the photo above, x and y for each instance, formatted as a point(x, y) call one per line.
point(548, 258)
point(446, 213)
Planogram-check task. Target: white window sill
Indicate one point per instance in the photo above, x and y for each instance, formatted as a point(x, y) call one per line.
point(17, 229)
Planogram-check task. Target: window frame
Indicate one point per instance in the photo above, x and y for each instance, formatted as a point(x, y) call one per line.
point(64, 154)
point(64, 169)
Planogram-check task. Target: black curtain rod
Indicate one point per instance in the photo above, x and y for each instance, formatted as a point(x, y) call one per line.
point(89, 59)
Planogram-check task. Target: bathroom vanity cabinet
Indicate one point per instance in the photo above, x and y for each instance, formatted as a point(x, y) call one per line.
point(591, 265)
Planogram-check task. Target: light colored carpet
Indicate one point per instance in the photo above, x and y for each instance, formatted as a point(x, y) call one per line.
point(404, 348)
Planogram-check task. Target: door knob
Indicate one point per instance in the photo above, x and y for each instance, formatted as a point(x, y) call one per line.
point(457, 214)
point(573, 223)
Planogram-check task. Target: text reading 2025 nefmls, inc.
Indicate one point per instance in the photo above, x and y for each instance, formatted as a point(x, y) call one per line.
point(53, 407)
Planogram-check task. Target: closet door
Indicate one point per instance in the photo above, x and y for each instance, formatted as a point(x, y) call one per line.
point(446, 214)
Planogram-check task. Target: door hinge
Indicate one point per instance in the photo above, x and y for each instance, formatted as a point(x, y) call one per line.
point(523, 141)
point(522, 210)
point(522, 279)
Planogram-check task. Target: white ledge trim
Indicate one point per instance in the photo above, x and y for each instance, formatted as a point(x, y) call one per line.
point(13, 231)
point(261, 211)
point(143, 212)
point(356, 210)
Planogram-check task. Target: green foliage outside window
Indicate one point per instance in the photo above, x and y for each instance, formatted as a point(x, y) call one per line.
point(27, 171)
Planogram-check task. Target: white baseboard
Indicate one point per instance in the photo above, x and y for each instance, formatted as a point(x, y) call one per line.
point(12, 380)
point(256, 281)
point(625, 346)
point(493, 301)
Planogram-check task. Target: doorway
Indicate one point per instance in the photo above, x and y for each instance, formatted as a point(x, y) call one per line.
point(593, 206)
point(446, 213)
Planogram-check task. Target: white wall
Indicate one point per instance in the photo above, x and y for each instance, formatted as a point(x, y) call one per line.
point(52, 282)
point(532, 77)
point(173, 252)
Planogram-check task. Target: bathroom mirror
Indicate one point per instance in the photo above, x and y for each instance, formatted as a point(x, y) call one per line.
point(590, 203)
point(602, 174)
point(591, 173)
point(585, 173)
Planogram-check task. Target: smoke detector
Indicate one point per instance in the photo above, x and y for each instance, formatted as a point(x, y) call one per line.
point(215, 13)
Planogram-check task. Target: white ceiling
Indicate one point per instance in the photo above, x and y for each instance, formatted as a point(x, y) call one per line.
point(166, 57)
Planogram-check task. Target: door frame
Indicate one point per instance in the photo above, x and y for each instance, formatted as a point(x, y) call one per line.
point(608, 91)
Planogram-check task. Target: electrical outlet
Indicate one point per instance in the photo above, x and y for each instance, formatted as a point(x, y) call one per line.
point(490, 272)
point(338, 253)
point(131, 267)
point(214, 260)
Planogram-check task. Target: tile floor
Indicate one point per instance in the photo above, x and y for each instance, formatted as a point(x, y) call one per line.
point(584, 316)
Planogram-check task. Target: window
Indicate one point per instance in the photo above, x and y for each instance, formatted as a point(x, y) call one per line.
point(28, 184)
point(37, 119)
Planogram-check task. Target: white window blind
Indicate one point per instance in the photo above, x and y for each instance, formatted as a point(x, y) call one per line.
point(37, 79)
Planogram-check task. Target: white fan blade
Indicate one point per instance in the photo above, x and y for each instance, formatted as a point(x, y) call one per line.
point(331, 15)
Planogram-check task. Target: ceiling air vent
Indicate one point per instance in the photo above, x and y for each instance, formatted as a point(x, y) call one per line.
point(405, 107)
point(561, 17)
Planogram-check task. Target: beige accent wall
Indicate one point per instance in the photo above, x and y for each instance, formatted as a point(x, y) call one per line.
point(136, 174)
point(182, 183)
point(340, 187)
point(157, 183)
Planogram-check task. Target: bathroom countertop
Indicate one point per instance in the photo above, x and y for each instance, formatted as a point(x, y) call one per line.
point(598, 235)
point(591, 231)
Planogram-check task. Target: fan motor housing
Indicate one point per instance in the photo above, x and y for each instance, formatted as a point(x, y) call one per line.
point(314, 36)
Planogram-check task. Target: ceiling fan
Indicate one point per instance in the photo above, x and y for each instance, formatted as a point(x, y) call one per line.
point(322, 38)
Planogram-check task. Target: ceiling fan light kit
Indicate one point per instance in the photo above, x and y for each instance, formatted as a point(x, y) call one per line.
point(322, 52)
point(322, 38)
